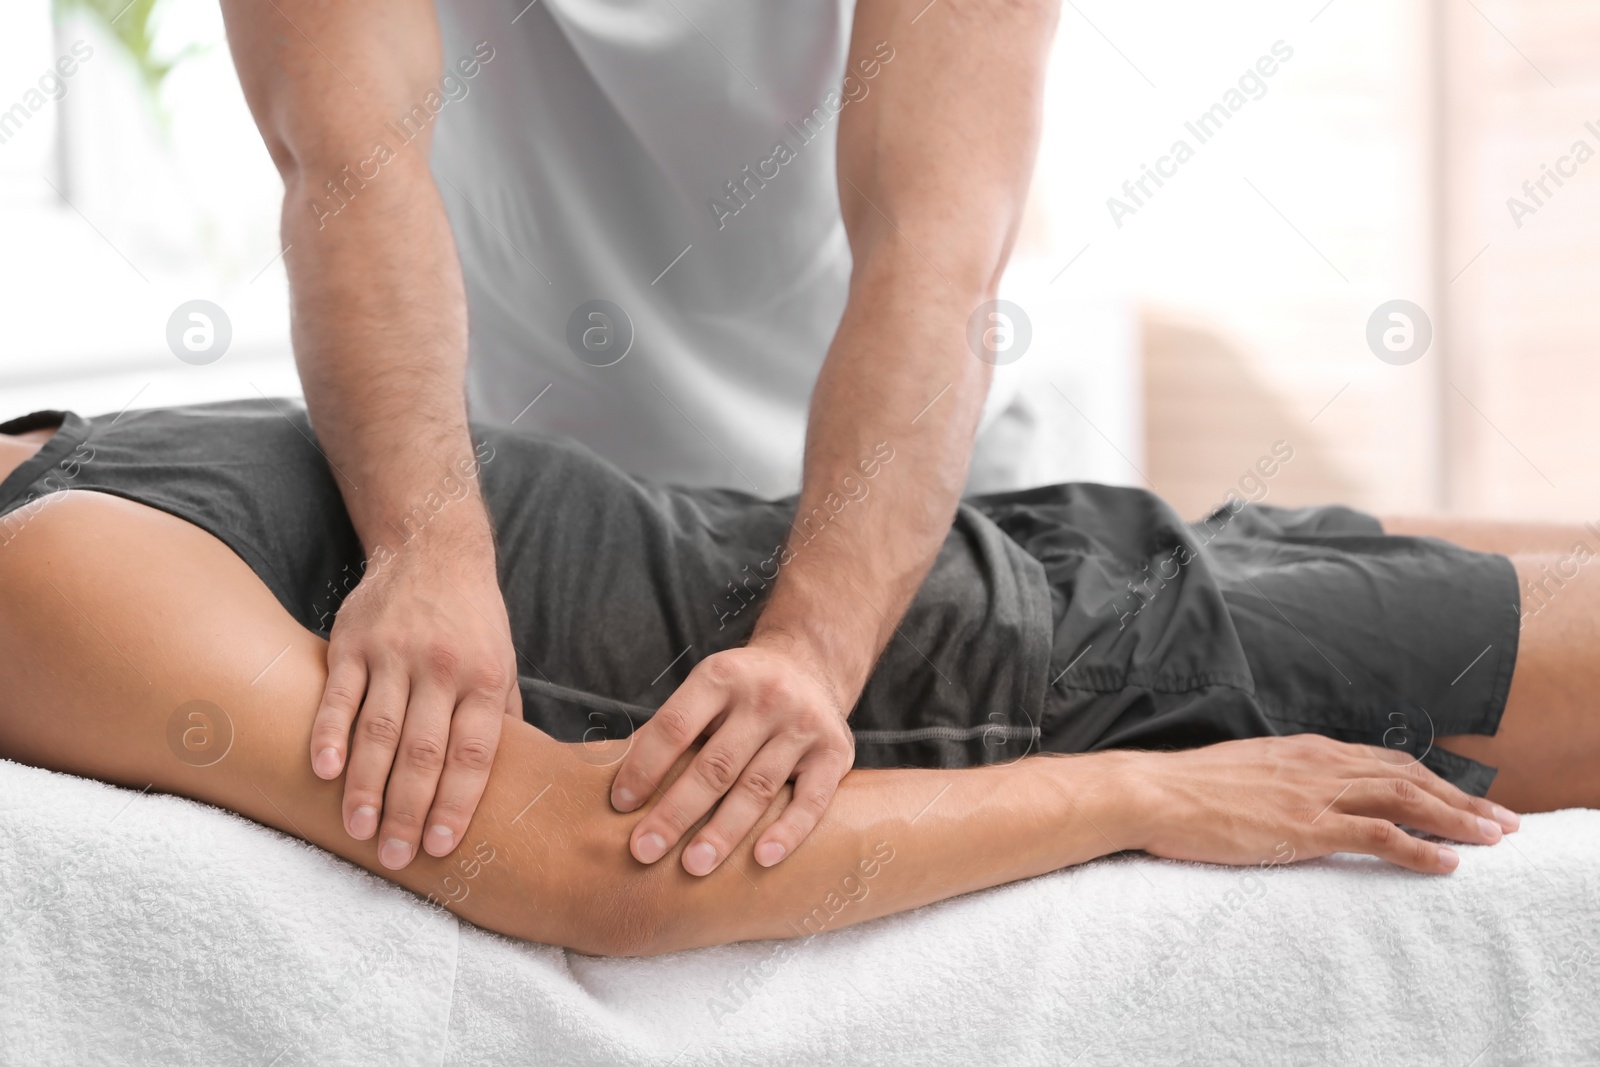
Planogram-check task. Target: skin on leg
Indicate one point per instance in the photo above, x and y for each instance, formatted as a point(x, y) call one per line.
point(1487, 535)
point(1548, 746)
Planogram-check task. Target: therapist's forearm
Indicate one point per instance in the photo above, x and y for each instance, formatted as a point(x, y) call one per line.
point(935, 154)
point(380, 336)
point(421, 664)
point(898, 383)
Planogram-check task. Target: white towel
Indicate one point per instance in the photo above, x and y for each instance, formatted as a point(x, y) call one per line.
point(1125, 960)
point(142, 929)
point(145, 929)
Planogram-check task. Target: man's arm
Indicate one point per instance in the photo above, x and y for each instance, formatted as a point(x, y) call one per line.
point(421, 658)
point(934, 166)
point(117, 620)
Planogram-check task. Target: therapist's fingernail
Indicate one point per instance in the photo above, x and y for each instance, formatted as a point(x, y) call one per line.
point(1448, 858)
point(1490, 828)
point(327, 763)
point(439, 840)
point(1509, 819)
point(769, 852)
point(623, 800)
point(394, 854)
point(650, 848)
point(363, 822)
point(699, 858)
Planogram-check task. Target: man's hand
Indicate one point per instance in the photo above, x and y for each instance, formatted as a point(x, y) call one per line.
point(772, 715)
point(930, 227)
point(1272, 800)
point(421, 662)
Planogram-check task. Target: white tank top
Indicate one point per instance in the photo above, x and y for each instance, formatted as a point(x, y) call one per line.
point(643, 194)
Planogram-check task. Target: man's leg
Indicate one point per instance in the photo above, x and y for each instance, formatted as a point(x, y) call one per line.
point(1486, 535)
point(1548, 744)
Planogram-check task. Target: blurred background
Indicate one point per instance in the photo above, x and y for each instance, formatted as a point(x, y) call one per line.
point(1182, 330)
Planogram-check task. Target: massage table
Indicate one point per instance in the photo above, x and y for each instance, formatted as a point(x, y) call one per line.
point(145, 929)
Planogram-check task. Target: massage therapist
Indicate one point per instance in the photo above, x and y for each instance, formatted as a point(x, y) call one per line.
point(720, 242)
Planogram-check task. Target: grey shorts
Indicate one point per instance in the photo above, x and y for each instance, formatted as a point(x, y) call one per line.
point(1264, 621)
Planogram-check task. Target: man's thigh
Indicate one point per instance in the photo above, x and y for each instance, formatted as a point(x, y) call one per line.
point(1548, 745)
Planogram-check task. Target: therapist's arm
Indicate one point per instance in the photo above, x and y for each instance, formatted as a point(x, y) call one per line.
point(421, 662)
point(934, 167)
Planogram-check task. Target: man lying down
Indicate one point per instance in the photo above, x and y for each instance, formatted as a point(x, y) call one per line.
point(1081, 673)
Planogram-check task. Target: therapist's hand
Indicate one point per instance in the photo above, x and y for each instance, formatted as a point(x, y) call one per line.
point(421, 663)
point(772, 715)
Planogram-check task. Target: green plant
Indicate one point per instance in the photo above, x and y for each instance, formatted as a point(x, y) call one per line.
point(134, 24)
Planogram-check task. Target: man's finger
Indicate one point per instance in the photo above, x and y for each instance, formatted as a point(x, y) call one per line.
point(1416, 771)
point(1381, 838)
point(372, 746)
point(341, 701)
point(660, 741)
point(418, 762)
point(1400, 800)
point(709, 775)
point(814, 787)
point(474, 736)
point(743, 807)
